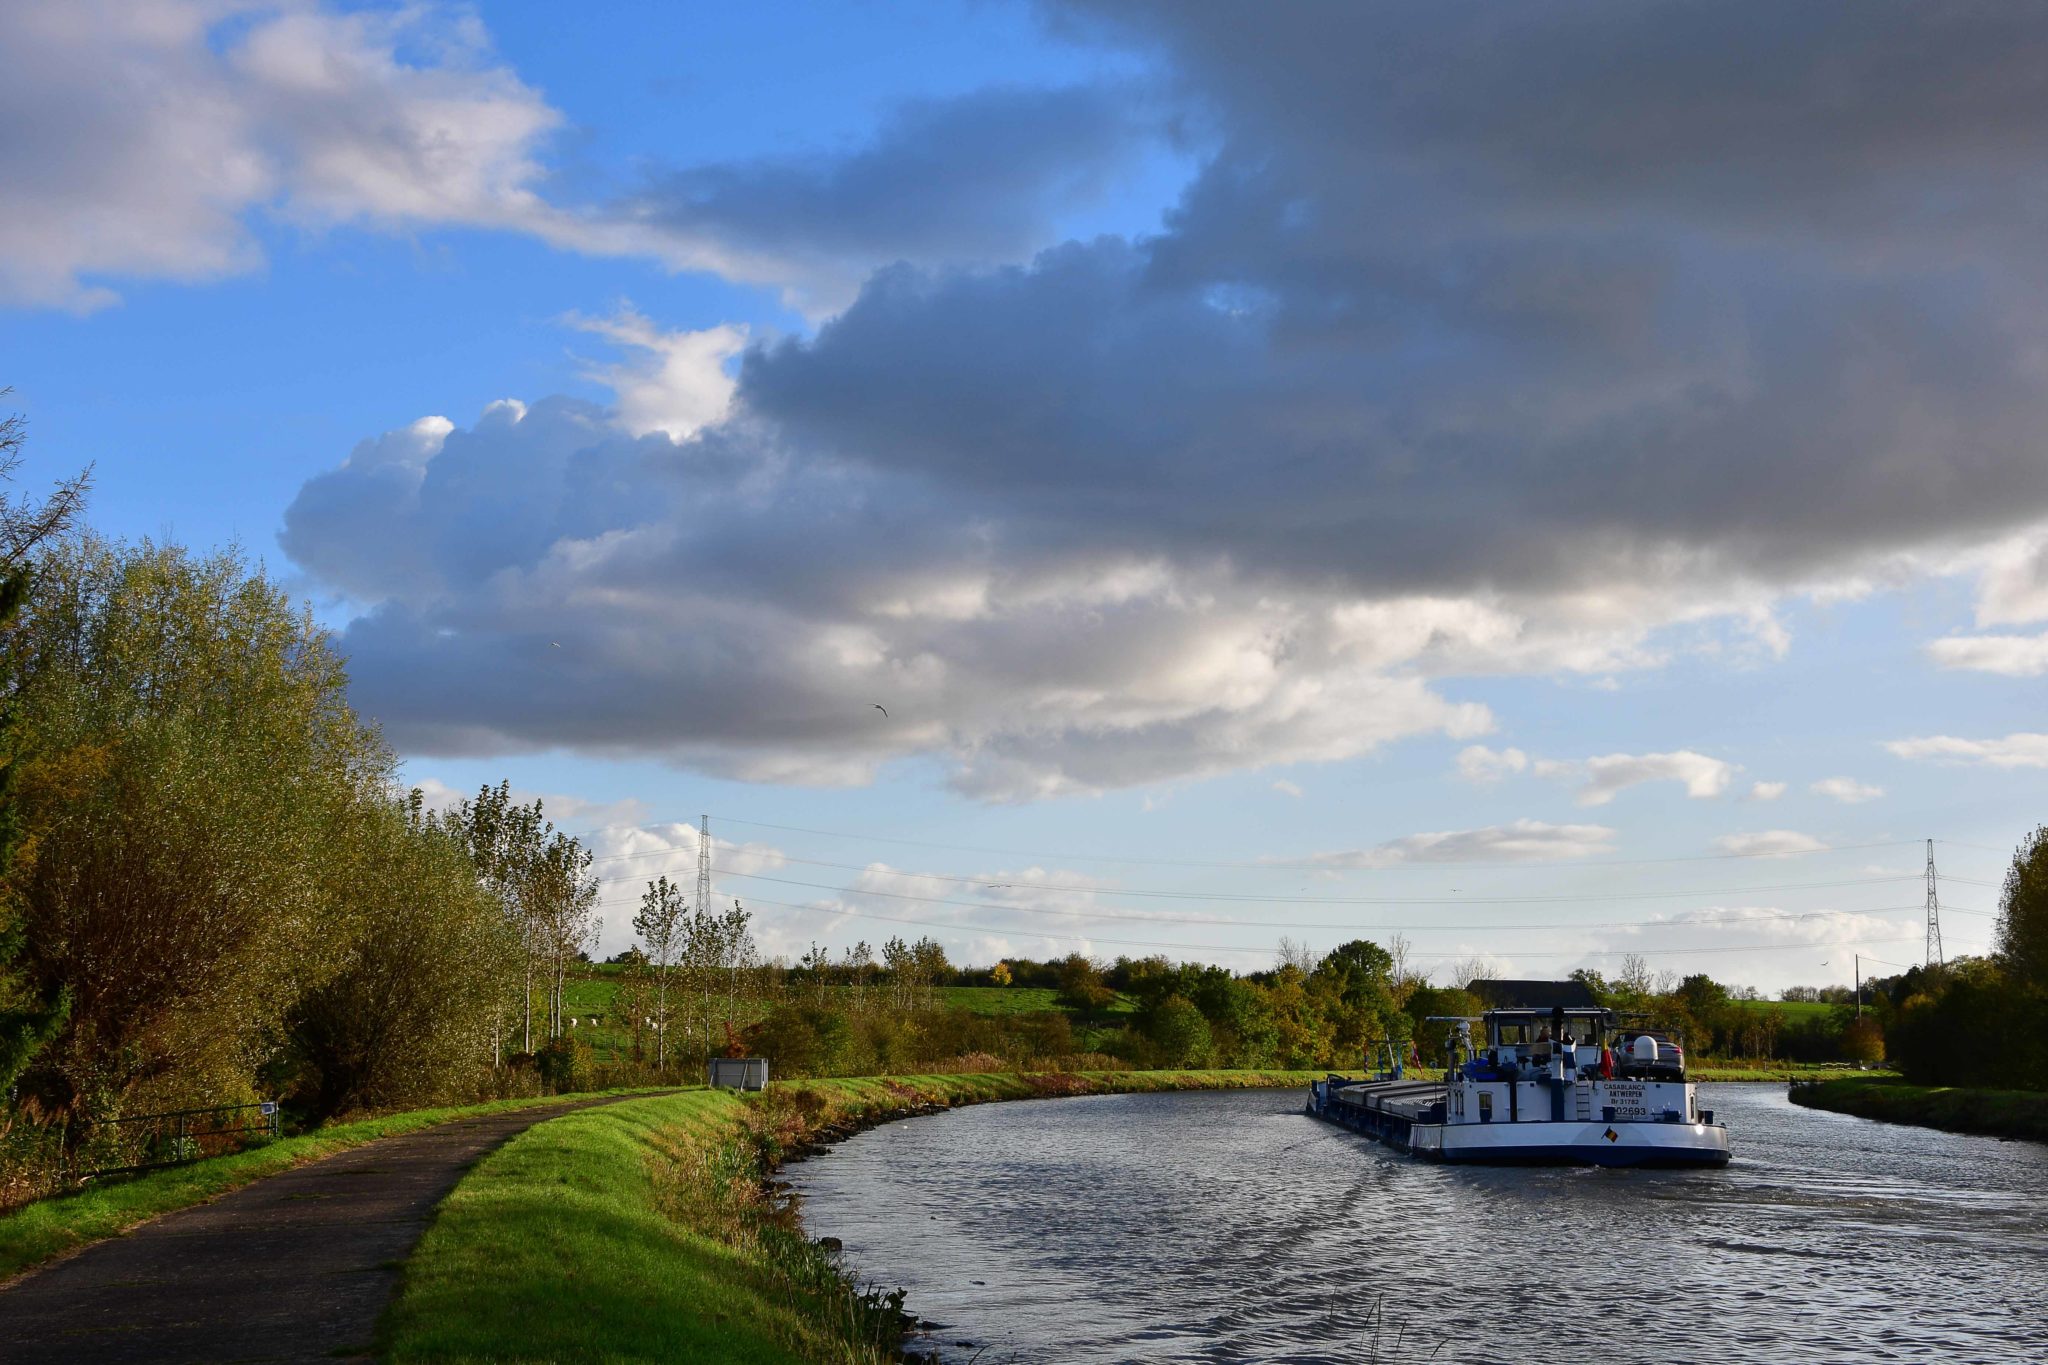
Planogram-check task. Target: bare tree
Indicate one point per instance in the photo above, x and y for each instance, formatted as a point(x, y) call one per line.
point(1296, 954)
point(1402, 978)
point(1635, 978)
point(24, 522)
point(860, 961)
point(1466, 970)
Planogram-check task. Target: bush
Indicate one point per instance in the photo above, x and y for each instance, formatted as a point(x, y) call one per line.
point(1180, 1034)
point(566, 1066)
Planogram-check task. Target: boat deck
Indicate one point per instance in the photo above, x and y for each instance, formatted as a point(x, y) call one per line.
point(1387, 1110)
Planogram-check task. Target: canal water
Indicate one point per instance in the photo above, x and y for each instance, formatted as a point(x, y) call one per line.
point(1229, 1226)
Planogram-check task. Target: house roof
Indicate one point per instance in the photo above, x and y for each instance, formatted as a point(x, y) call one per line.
point(1534, 995)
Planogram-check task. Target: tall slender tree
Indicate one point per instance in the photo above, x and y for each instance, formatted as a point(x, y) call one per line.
point(663, 930)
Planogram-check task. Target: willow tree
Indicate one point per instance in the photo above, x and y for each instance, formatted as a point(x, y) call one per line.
point(193, 763)
point(407, 1016)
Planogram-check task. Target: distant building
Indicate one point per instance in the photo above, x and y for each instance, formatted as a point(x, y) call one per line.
point(1533, 995)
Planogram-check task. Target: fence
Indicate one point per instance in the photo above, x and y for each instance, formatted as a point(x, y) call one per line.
point(144, 1142)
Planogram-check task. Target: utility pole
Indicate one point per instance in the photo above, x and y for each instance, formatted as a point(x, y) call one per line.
point(1934, 957)
point(1859, 987)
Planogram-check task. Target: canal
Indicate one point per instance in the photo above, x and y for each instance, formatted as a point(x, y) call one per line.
point(1228, 1226)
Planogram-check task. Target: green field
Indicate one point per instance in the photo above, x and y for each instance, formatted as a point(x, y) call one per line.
point(1794, 1011)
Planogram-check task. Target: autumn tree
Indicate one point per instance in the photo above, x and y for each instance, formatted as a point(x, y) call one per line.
point(407, 1016)
point(194, 762)
point(30, 1014)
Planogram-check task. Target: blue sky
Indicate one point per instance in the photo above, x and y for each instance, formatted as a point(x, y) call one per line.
point(1558, 484)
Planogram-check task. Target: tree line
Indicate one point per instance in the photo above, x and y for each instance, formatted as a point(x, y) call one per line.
point(1979, 1021)
point(213, 887)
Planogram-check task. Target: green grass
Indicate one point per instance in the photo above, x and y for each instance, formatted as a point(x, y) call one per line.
point(1958, 1109)
point(1001, 1000)
point(51, 1227)
point(1710, 1070)
point(627, 1233)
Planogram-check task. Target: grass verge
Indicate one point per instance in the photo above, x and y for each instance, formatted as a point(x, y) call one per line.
point(1778, 1071)
point(51, 1227)
point(646, 1231)
point(1991, 1113)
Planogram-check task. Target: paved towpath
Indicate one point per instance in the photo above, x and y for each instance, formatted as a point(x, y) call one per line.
point(297, 1266)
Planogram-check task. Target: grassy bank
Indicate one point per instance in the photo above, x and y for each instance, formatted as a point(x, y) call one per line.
point(1992, 1113)
point(1778, 1071)
point(37, 1232)
point(644, 1231)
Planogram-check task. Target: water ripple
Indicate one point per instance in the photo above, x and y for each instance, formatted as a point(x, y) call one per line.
point(1229, 1227)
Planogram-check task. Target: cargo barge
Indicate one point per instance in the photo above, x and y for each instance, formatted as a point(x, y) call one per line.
point(1559, 1086)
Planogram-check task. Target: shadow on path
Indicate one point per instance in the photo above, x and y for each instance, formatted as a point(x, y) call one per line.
point(297, 1266)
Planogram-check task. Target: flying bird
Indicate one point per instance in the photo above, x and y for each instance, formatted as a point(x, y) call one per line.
point(883, 709)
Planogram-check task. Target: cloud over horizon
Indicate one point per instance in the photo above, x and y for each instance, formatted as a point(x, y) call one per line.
point(1464, 353)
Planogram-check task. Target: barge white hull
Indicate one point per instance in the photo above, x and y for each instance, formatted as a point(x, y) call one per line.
point(1621, 1143)
point(1435, 1122)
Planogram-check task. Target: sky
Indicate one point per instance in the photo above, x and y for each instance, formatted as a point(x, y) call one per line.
point(1551, 482)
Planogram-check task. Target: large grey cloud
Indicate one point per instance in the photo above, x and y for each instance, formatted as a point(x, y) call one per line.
point(1490, 339)
point(1507, 294)
point(972, 179)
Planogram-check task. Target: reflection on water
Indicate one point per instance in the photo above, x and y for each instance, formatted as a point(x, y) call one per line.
point(1228, 1226)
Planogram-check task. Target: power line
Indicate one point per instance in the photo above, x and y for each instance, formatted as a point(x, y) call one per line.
point(1222, 922)
point(1161, 919)
point(1273, 865)
point(1262, 898)
point(1220, 948)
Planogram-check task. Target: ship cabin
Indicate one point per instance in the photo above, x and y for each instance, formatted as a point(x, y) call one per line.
point(1521, 1039)
point(1568, 1042)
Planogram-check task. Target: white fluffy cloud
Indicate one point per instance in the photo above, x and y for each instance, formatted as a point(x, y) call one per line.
point(161, 124)
point(1523, 841)
point(1477, 763)
point(2014, 656)
point(1602, 778)
point(675, 383)
point(1847, 790)
point(1765, 791)
point(2020, 750)
point(1766, 843)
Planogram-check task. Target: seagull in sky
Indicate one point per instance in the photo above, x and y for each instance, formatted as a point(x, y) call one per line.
point(883, 709)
